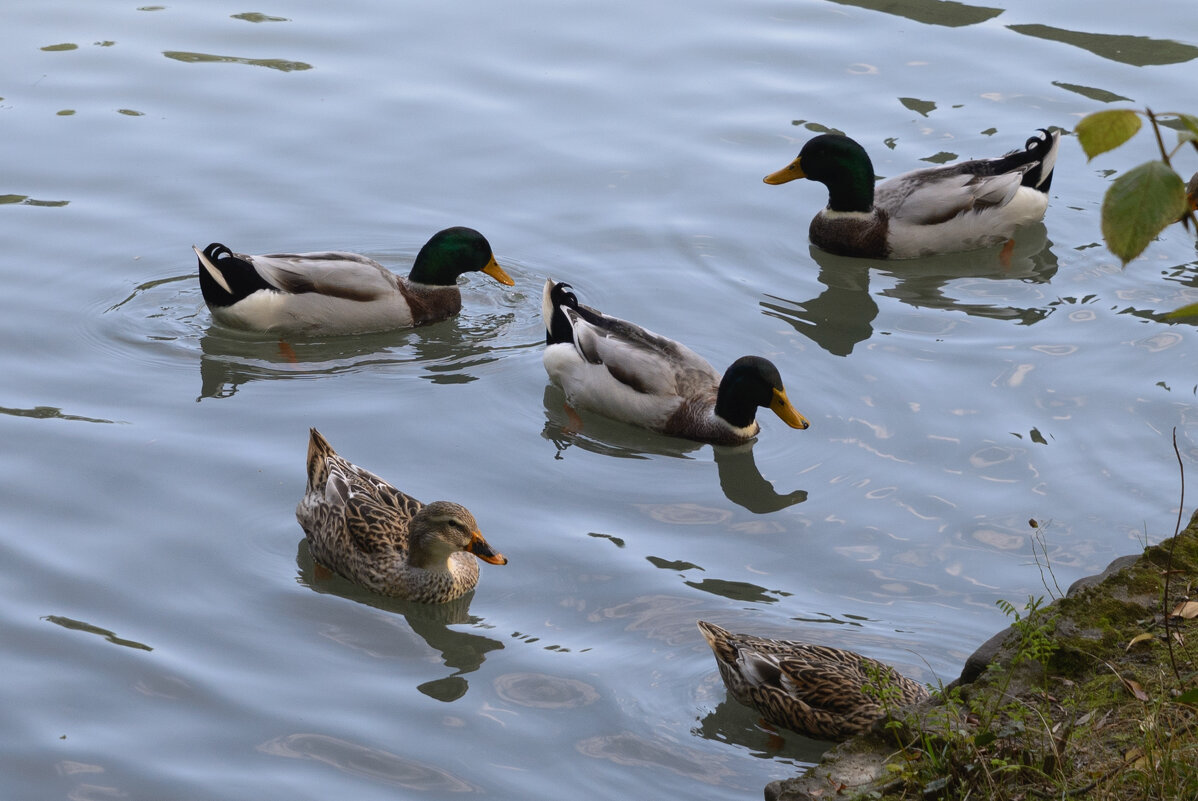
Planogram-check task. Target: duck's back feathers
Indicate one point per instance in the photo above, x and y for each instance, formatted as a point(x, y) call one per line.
point(938, 194)
point(810, 689)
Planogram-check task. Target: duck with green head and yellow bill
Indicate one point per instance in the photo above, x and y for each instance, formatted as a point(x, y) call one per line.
point(618, 369)
point(341, 293)
point(367, 531)
point(957, 207)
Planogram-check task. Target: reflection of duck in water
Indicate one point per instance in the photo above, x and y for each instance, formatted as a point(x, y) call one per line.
point(844, 313)
point(963, 206)
point(376, 536)
point(625, 372)
point(744, 485)
point(810, 689)
point(341, 293)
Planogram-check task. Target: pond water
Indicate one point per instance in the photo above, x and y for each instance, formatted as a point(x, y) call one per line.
point(165, 636)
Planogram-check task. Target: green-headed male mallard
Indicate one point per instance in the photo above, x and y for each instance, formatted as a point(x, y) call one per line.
point(379, 538)
point(963, 206)
point(620, 370)
point(811, 689)
point(341, 293)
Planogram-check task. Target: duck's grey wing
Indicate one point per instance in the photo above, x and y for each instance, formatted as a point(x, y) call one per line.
point(343, 275)
point(647, 362)
point(928, 197)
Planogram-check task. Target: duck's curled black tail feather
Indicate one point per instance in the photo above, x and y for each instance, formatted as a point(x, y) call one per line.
point(226, 278)
point(1044, 150)
point(557, 327)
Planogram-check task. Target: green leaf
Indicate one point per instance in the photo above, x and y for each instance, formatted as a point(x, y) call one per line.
point(1106, 130)
point(1139, 205)
point(1188, 697)
point(984, 738)
point(1177, 314)
point(1190, 122)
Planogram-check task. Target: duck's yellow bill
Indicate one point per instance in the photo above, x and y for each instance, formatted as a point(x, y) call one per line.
point(483, 550)
point(788, 173)
point(495, 271)
point(780, 406)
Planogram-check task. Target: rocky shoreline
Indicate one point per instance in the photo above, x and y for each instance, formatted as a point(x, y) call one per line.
point(1059, 714)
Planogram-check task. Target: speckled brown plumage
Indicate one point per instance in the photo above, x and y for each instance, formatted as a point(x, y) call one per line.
point(384, 540)
point(811, 689)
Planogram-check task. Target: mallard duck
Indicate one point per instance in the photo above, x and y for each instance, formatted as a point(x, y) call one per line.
point(962, 206)
point(623, 371)
point(811, 689)
point(379, 538)
point(341, 293)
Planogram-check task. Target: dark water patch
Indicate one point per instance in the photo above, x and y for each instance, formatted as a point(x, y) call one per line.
point(280, 64)
point(254, 16)
point(1139, 51)
point(79, 625)
point(930, 12)
point(25, 200)
point(50, 413)
point(1094, 93)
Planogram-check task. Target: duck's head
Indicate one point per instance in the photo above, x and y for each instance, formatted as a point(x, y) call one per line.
point(452, 252)
point(441, 529)
point(838, 163)
point(751, 382)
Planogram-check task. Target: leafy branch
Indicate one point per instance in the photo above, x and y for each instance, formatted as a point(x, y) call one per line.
point(1146, 199)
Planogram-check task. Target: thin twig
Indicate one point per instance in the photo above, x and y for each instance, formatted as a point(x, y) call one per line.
point(1156, 129)
point(1169, 563)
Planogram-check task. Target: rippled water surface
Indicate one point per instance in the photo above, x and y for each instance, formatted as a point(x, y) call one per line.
point(165, 635)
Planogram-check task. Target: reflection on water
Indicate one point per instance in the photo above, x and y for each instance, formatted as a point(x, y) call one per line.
point(79, 625)
point(740, 480)
point(462, 651)
point(566, 427)
point(367, 763)
point(445, 352)
point(633, 750)
point(170, 312)
point(25, 200)
point(733, 723)
point(739, 591)
point(50, 413)
point(744, 485)
point(948, 13)
point(283, 65)
point(232, 358)
point(1139, 51)
point(842, 315)
point(542, 691)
